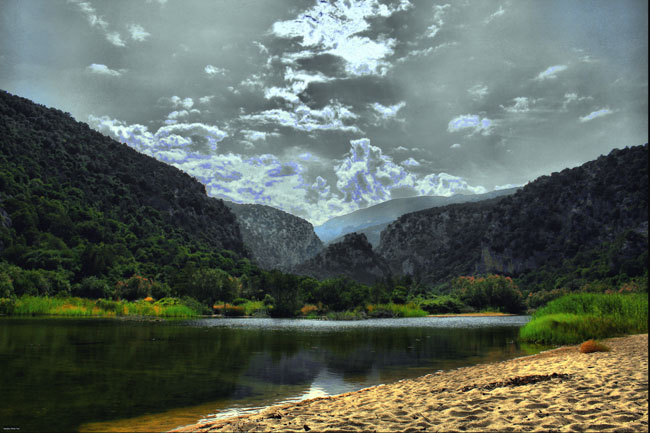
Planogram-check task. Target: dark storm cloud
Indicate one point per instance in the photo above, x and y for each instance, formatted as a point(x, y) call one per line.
point(321, 107)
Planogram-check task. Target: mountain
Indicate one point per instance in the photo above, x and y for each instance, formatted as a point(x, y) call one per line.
point(372, 220)
point(595, 212)
point(76, 204)
point(277, 240)
point(352, 257)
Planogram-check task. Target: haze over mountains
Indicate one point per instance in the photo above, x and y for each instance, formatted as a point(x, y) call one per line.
point(372, 220)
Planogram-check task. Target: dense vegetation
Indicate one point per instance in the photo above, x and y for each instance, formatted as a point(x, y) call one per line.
point(80, 307)
point(82, 216)
point(578, 317)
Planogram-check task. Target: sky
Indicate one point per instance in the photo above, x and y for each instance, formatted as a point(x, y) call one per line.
point(320, 108)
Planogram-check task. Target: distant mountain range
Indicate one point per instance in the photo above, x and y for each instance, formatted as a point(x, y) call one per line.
point(591, 219)
point(372, 220)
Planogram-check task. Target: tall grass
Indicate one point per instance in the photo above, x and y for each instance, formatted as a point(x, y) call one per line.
point(81, 307)
point(395, 310)
point(582, 316)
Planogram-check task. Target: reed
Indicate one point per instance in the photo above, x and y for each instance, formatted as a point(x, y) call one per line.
point(395, 310)
point(81, 307)
point(578, 317)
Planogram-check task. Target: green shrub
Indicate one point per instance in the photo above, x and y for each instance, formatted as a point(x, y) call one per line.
point(444, 304)
point(7, 305)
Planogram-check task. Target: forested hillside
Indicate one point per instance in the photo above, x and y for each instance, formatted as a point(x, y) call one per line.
point(572, 227)
point(80, 211)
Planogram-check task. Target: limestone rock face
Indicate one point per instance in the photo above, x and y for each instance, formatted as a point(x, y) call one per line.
point(276, 239)
point(352, 257)
point(551, 219)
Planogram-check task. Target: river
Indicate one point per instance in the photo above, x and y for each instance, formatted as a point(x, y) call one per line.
point(62, 374)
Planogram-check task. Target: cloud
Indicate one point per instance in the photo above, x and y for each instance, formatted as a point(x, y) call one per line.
point(387, 112)
point(115, 39)
point(438, 22)
point(177, 102)
point(252, 135)
point(138, 33)
point(334, 28)
point(551, 72)
point(410, 162)
point(206, 99)
point(331, 117)
point(202, 137)
point(366, 176)
point(479, 91)
point(572, 98)
point(498, 13)
point(97, 21)
point(472, 122)
point(101, 69)
point(178, 114)
point(282, 93)
point(455, 146)
point(596, 114)
point(261, 47)
point(520, 105)
point(214, 71)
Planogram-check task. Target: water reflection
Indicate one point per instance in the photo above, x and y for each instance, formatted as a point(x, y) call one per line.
point(57, 374)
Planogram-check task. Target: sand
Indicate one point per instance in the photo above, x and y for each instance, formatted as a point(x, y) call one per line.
point(558, 390)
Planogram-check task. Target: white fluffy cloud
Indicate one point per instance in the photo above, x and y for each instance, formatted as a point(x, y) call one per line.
point(366, 176)
point(178, 135)
point(178, 102)
point(214, 71)
point(387, 112)
point(101, 69)
point(596, 114)
point(334, 27)
point(520, 105)
point(551, 72)
point(471, 122)
point(331, 117)
point(138, 33)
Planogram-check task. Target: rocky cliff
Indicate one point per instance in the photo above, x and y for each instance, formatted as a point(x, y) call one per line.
point(352, 257)
point(550, 220)
point(276, 239)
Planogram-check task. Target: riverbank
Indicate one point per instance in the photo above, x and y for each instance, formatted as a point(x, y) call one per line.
point(488, 314)
point(561, 389)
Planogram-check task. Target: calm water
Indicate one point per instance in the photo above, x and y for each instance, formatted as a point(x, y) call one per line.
point(95, 374)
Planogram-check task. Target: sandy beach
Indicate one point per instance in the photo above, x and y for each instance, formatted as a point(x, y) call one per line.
point(557, 390)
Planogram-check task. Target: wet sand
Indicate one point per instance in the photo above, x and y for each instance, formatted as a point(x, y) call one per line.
point(557, 390)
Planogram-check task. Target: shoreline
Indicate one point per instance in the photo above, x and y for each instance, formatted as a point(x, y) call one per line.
point(560, 389)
